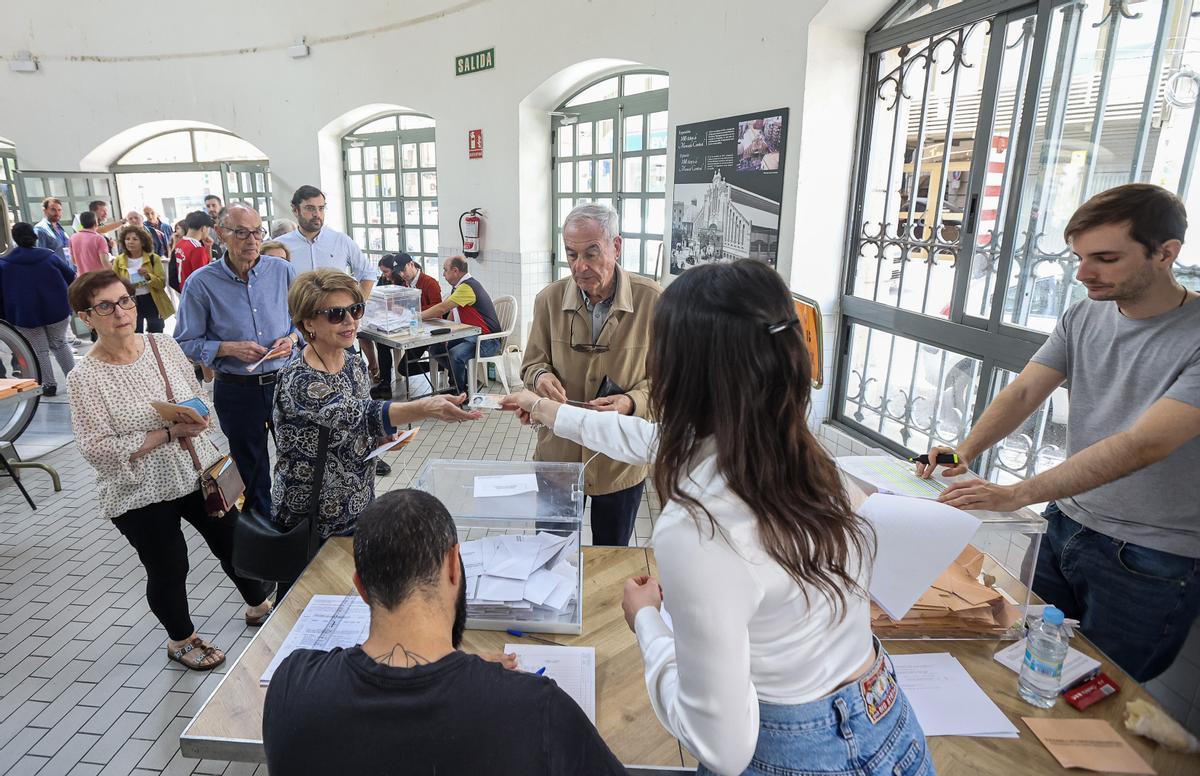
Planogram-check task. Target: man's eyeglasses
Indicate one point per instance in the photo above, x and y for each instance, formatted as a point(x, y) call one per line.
point(587, 347)
point(259, 234)
point(312, 209)
point(338, 314)
point(108, 308)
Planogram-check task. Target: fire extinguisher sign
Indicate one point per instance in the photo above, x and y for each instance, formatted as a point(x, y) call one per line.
point(475, 144)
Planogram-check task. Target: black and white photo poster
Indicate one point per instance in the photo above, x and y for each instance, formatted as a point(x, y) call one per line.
point(728, 189)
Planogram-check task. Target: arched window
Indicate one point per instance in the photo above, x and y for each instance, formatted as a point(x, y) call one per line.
point(391, 187)
point(173, 172)
point(609, 145)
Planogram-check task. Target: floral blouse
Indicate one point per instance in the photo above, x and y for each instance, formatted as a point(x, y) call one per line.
point(305, 400)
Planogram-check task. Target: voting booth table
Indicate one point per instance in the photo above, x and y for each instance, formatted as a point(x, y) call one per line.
point(508, 526)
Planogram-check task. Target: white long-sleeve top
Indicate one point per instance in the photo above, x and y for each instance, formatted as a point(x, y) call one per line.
point(743, 631)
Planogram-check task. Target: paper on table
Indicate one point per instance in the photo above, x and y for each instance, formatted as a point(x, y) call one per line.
point(1087, 743)
point(889, 475)
point(491, 486)
point(946, 700)
point(916, 540)
point(327, 621)
point(400, 441)
point(1075, 667)
point(572, 668)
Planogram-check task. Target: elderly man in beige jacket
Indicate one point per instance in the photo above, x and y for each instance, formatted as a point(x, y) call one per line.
point(588, 344)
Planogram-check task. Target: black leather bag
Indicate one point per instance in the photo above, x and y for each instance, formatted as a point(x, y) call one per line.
point(265, 550)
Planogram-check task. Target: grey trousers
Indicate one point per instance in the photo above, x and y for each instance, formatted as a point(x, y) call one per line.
point(51, 339)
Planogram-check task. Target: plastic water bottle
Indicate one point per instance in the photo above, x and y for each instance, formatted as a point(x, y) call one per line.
point(414, 326)
point(1045, 651)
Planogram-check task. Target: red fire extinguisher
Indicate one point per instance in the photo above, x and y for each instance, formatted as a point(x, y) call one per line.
point(470, 228)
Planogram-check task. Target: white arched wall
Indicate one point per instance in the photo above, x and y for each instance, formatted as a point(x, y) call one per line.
point(105, 155)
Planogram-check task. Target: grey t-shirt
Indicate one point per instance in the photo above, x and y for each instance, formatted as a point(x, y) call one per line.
point(1117, 367)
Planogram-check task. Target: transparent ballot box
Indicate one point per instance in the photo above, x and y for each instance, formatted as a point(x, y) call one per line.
point(392, 309)
point(519, 527)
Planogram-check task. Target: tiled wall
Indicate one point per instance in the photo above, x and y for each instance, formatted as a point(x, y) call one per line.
point(520, 275)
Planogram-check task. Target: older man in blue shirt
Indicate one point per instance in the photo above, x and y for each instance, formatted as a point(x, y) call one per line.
point(234, 315)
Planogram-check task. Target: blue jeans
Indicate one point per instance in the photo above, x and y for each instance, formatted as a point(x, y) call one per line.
point(1135, 604)
point(865, 728)
point(244, 411)
point(463, 351)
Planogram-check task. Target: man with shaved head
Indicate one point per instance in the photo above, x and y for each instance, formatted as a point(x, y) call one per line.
point(233, 313)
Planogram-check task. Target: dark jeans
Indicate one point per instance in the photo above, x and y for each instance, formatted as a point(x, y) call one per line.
point(155, 532)
point(244, 410)
point(461, 352)
point(147, 315)
point(1135, 604)
point(613, 515)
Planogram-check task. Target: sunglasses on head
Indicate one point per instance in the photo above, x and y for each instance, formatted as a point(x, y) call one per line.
point(338, 314)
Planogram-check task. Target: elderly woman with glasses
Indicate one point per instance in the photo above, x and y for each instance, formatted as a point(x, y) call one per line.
point(146, 467)
point(328, 388)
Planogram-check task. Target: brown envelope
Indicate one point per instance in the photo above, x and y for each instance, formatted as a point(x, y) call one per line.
point(1092, 744)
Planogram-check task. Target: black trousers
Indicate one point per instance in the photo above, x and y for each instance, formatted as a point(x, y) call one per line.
point(155, 532)
point(147, 315)
point(613, 515)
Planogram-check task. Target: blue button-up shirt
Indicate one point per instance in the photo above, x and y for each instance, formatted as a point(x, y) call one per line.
point(217, 306)
point(330, 250)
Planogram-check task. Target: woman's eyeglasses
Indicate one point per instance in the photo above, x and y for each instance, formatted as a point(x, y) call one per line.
point(338, 314)
point(108, 308)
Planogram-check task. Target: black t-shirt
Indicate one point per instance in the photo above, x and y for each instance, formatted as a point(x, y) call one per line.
point(342, 712)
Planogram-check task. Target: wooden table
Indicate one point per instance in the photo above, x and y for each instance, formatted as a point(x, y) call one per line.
point(229, 725)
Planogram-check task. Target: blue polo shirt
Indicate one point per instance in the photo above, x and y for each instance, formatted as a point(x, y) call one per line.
point(217, 306)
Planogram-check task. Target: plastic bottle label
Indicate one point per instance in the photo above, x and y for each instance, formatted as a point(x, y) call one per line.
point(1042, 667)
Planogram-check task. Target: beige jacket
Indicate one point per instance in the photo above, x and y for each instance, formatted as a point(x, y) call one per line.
point(628, 336)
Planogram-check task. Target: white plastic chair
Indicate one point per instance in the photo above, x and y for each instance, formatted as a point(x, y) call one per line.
point(506, 311)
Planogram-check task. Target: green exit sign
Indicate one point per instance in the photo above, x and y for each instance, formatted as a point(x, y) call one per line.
point(473, 63)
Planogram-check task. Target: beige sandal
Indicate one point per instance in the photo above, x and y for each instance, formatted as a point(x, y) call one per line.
point(197, 655)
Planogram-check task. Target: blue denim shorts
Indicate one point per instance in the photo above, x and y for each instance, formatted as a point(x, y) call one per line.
point(866, 728)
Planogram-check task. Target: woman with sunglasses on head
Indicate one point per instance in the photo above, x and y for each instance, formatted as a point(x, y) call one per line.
point(324, 387)
point(146, 475)
point(771, 666)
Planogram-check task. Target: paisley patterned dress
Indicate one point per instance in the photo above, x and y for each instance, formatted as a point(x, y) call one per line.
point(305, 400)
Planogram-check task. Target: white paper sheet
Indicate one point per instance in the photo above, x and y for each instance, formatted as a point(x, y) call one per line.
point(496, 485)
point(572, 668)
point(946, 700)
point(327, 621)
point(500, 589)
point(386, 446)
point(916, 540)
point(1075, 667)
point(564, 590)
point(514, 560)
point(540, 585)
point(890, 475)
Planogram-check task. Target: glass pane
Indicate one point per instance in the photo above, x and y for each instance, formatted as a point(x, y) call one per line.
point(231, 181)
point(431, 240)
point(1038, 444)
point(260, 182)
point(656, 173)
point(388, 184)
point(914, 9)
point(371, 158)
point(357, 213)
point(655, 216)
point(385, 124)
point(360, 236)
point(412, 212)
point(387, 157)
point(605, 90)
point(604, 201)
point(583, 138)
point(220, 147)
point(631, 179)
point(915, 394)
point(564, 208)
point(374, 213)
point(583, 176)
point(428, 155)
point(391, 240)
point(411, 121)
point(411, 186)
point(631, 216)
point(246, 186)
point(356, 186)
point(604, 175)
point(645, 82)
point(429, 184)
point(429, 212)
point(653, 256)
point(372, 182)
point(35, 188)
point(631, 254)
point(658, 130)
point(566, 176)
point(408, 155)
point(164, 149)
point(412, 240)
point(566, 141)
point(375, 239)
point(391, 213)
point(79, 188)
point(604, 136)
point(561, 272)
point(633, 133)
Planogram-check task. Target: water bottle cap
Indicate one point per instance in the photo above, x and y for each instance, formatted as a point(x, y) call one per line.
point(1053, 615)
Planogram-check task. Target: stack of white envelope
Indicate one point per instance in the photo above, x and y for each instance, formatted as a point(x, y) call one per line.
point(521, 577)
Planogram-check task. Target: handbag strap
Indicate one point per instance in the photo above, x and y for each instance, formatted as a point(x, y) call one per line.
point(162, 370)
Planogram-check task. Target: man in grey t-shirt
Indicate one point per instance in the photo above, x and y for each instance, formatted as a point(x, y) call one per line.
point(1122, 548)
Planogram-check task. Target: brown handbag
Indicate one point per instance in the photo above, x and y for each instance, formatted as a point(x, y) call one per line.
point(220, 484)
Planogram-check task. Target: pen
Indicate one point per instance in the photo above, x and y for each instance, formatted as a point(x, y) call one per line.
point(540, 671)
point(943, 458)
point(523, 635)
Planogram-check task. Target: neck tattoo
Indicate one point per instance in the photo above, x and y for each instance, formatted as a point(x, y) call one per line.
point(400, 657)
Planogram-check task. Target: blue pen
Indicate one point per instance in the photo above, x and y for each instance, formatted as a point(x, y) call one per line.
point(523, 635)
point(540, 671)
